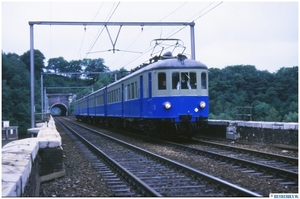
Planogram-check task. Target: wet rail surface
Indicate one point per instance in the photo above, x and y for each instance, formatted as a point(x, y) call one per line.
point(149, 174)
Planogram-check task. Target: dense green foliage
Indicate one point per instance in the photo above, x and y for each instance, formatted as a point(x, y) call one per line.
point(271, 96)
point(15, 92)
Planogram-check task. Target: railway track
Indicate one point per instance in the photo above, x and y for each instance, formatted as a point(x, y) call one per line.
point(282, 169)
point(118, 186)
point(138, 172)
point(273, 160)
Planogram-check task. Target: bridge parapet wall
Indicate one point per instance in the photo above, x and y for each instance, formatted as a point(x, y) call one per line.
point(20, 160)
point(255, 131)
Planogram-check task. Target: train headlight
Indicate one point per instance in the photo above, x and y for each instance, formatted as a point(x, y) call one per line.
point(167, 105)
point(202, 104)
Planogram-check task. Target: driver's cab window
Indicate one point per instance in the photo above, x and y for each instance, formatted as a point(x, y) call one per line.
point(184, 80)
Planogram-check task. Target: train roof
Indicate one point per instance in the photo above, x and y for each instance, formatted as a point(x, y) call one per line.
point(176, 63)
point(170, 63)
point(179, 62)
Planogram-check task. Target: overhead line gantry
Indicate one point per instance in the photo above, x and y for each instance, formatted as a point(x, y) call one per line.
point(70, 23)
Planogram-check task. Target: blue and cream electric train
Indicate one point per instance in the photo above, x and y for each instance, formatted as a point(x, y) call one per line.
point(166, 97)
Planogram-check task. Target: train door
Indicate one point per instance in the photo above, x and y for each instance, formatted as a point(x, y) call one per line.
point(149, 85)
point(122, 94)
point(87, 106)
point(105, 101)
point(149, 101)
point(141, 95)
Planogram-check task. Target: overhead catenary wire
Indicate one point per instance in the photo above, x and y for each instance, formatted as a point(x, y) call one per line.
point(100, 31)
point(149, 48)
point(200, 15)
point(172, 33)
point(209, 10)
point(84, 34)
point(195, 19)
point(142, 28)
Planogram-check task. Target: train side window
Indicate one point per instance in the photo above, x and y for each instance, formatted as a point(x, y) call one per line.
point(117, 95)
point(100, 99)
point(110, 96)
point(175, 79)
point(126, 93)
point(136, 90)
point(203, 81)
point(193, 80)
point(132, 91)
point(91, 101)
point(162, 81)
point(128, 90)
point(114, 96)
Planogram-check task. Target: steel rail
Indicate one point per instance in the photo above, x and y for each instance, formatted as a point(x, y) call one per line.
point(227, 185)
point(274, 170)
point(147, 190)
point(292, 160)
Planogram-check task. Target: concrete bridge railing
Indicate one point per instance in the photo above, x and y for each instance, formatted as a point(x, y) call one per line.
point(19, 159)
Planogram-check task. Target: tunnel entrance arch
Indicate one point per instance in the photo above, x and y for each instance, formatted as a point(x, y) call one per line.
point(59, 104)
point(59, 109)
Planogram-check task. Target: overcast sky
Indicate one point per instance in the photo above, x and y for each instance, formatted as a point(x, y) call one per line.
point(263, 34)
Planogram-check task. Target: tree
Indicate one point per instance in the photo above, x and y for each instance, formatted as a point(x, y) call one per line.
point(121, 73)
point(15, 92)
point(103, 80)
point(272, 96)
point(57, 64)
point(38, 61)
point(94, 65)
point(273, 115)
point(75, 66)
point(260, 110)
point(291, 117)
point(7, 114)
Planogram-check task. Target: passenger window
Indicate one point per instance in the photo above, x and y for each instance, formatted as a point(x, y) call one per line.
point(175, 80)
point(162, 84)
point(132, 91)
point(128, 94)
point(136, 90)
point(203, 81)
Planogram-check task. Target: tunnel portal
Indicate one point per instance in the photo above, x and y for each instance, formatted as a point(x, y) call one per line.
point(59, 110)
point(58, 104)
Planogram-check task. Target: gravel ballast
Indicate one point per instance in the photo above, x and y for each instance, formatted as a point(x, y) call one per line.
point(82, 180)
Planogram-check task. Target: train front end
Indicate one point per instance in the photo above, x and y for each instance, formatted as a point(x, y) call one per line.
point(180, 97)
